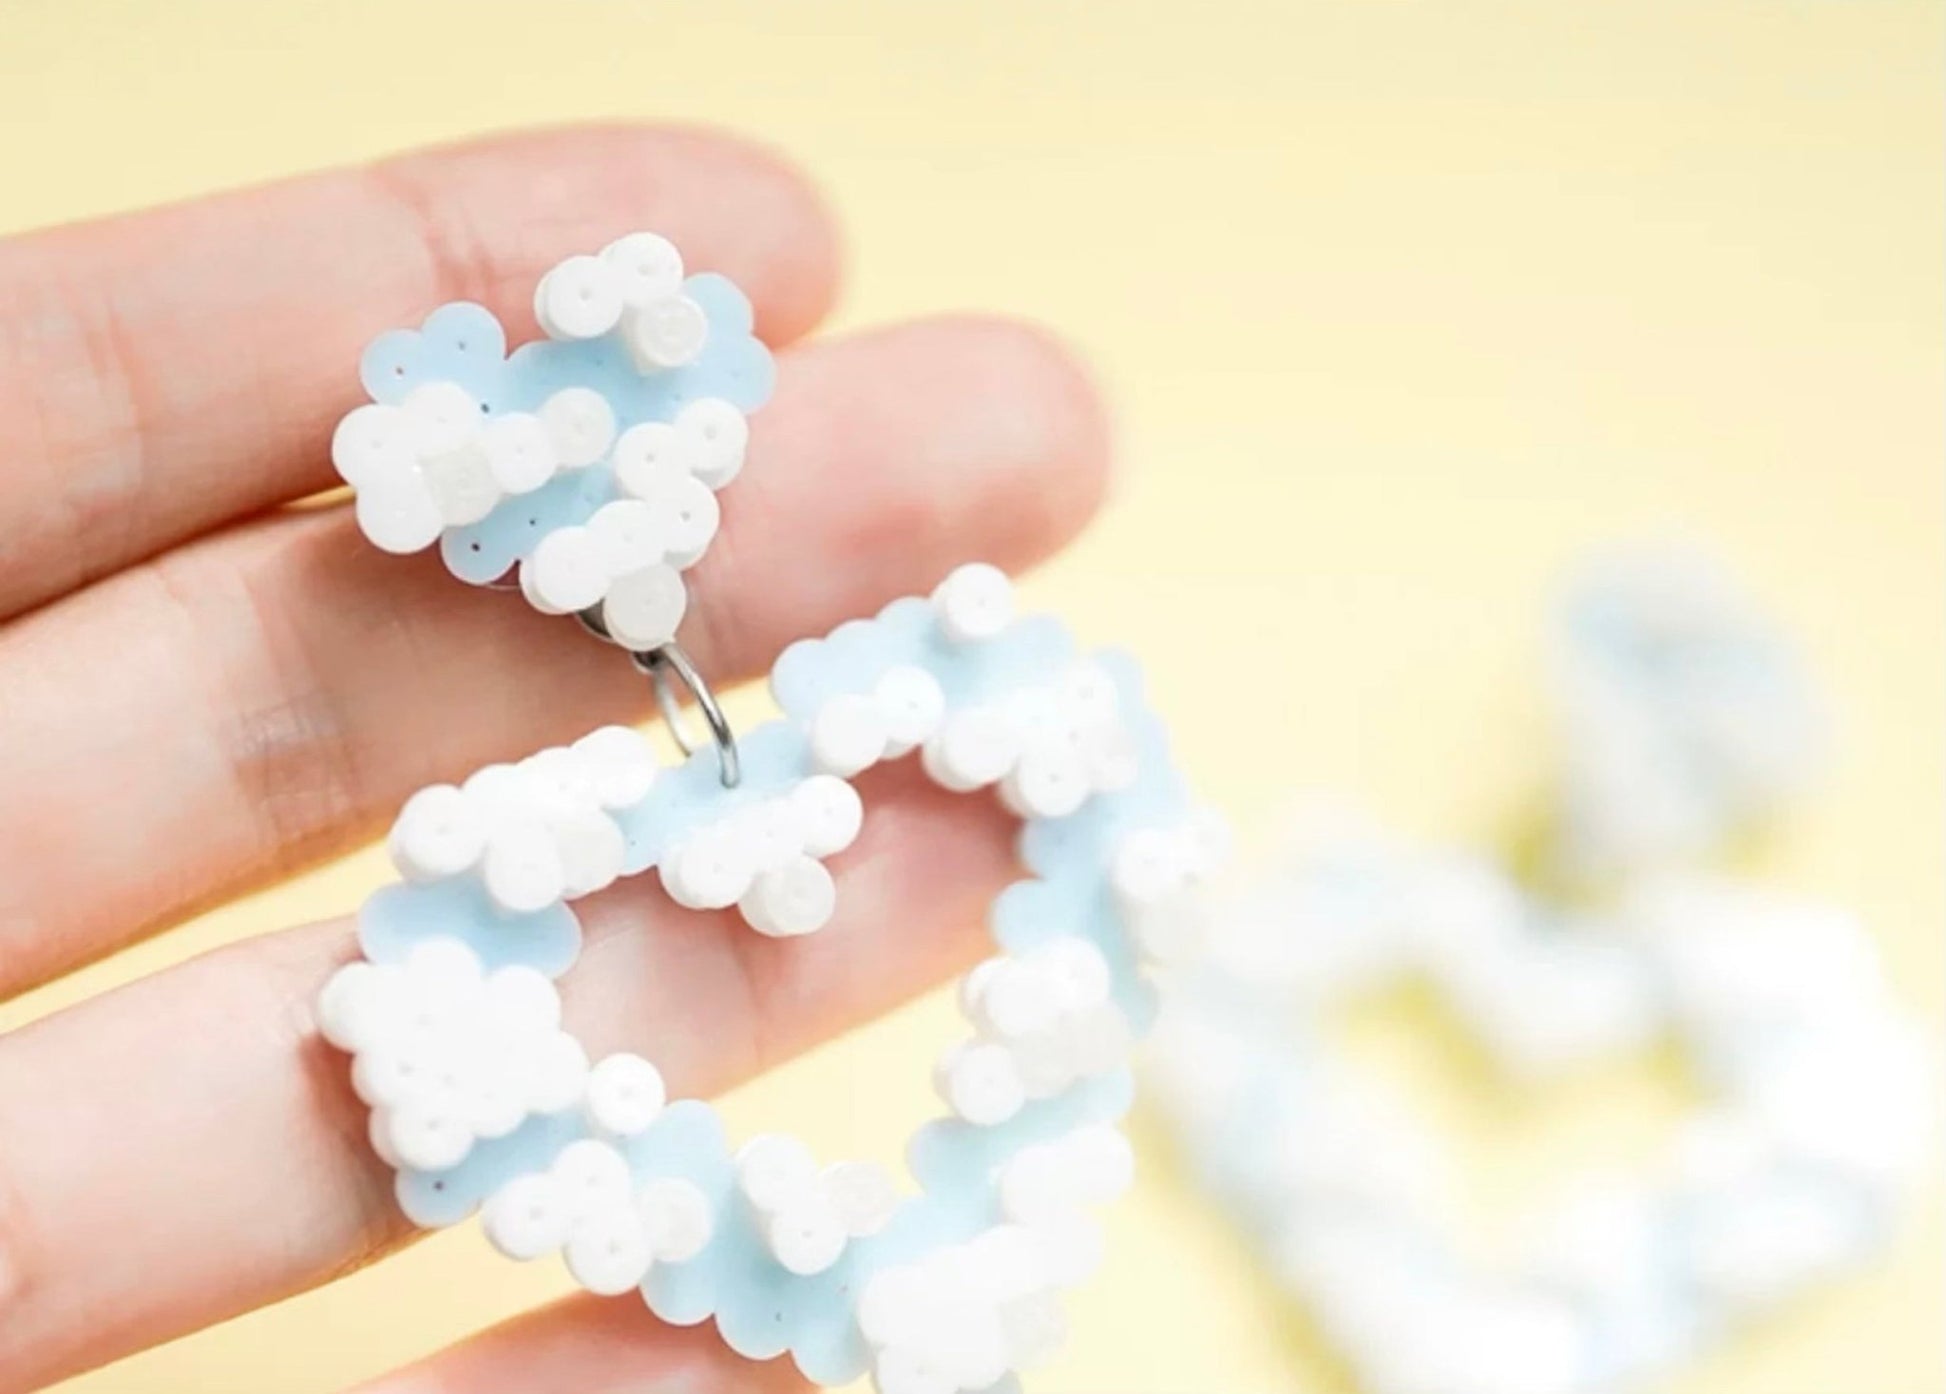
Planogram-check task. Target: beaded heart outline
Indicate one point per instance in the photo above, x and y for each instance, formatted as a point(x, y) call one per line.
point(582, 470)
point(1816, 1126)
point(483, 1103)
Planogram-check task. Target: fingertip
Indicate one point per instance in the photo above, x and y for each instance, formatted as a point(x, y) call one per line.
point(732, 206)
point(1052, 440)
point(793, 278)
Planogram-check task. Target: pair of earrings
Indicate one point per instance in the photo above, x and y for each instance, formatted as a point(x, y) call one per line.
point(583, 470)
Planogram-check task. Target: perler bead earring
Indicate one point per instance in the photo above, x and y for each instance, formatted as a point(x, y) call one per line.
point(582, 470)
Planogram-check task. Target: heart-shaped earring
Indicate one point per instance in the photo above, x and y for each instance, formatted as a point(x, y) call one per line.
point(1687, 721)
point(586, 464)
point(479, 1098)
point(1817, 1123)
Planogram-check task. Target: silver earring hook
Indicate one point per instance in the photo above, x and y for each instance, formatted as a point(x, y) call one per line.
point(657, 665)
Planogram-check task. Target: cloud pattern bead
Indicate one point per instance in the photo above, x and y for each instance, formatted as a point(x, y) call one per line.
point(1042, 1020)
point(835, 1265)
point(534, 833)
point(766, 857)
point(446, 1054)
point(587, 1207)
point(517, 463)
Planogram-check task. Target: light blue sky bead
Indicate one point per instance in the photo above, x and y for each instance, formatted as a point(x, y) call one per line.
point(434, 1199)
point(1027, 653)
point(1035, 912)
point(761, 1303)
point(687, 1140)
point(464, 343)
point(761, 1309)
point(855, 655)
point(396, 918)
point(952, 1159)
point(458, 342)
point(485, 551)
point(772, 758)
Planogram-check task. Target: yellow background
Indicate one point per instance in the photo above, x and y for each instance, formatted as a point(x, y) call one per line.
point(1401, 307)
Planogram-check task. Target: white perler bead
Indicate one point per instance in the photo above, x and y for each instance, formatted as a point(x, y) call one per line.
point(581, 298)
point(863, 1194)
point(568, 571)
point(1048, 748)
point(1090, 1166)
point(773, 1168)
point(910, 706)
point(678, 1219)
point(446, 1054)
point(790, 900)
point(644, 608)
point(1160, 878)
point(974, 747)
point(623, 563)
point(438, 833)
point(665, 334)
point(980, 1082)
point(849, 734)
point(586, 1206)
point(536, 831)
point(625, 1095)
point(608, 1252)
point(975, 602)
point(615, 562)
point(765, 858)
point(703, 446)
point(619, 765)
point(581, 425)
point(828, 813)
point(1048, 1015)
point(646, 268)
point(716, 436)
point(519, 452)
point(806, 1216)
point(634, 287)
point(964, 1316)
point(434, 461)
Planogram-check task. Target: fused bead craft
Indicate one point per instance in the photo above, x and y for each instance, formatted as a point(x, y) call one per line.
point(483, 1104)
point(1817, 1123)
point(584, 466)
point(583, 471)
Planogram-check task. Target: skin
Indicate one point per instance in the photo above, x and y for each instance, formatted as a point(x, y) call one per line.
point(204, 688)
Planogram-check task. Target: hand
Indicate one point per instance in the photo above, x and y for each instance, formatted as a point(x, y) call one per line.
point(203, 689)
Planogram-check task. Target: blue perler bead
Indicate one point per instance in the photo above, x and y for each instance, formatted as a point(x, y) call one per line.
point(435, 1199)
point(395, 918)
point(772, 758)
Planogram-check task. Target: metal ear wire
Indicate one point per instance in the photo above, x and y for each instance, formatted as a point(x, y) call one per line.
point(657, 665)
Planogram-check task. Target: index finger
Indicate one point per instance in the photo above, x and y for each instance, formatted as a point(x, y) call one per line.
point(166, 372)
